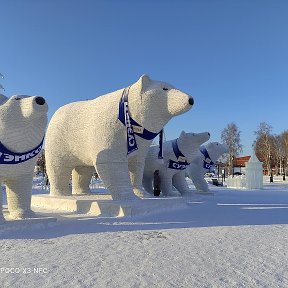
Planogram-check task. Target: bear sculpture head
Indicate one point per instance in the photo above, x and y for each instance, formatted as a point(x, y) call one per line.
point(216, 149)
point(23, 120)
point(189, 143)
point(157, 100)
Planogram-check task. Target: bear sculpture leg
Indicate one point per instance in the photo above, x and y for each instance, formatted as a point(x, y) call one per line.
point(198, 179)
point(136, 169)
point(115, 177)
point(19, 197)
point(59, 181)
point(166, 184)
point(179, 182)
point(81, 178)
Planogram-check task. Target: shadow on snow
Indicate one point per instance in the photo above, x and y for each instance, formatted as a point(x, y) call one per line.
point(227, 207)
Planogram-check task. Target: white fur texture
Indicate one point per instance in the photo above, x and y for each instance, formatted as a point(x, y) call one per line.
point(196, 171)
point(188, 144)
point(22, 127)
point(87, 135)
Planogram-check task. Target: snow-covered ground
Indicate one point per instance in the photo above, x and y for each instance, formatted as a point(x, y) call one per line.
point(236, 238)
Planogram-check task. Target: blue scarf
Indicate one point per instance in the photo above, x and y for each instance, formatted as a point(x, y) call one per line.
point(181, 164)
point(207, 162)
point(134, 128)
point(9, 157)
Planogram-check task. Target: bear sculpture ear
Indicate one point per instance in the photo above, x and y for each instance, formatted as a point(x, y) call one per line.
point(142, 84)
point(145, 80)
point(183, 134)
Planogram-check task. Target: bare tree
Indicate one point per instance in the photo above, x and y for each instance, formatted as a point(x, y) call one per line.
point(231, 137)
point(277, 152)
point(280, 153)
point(41, 163)
point(284, 142)
point(264, 145)
point(1, 87)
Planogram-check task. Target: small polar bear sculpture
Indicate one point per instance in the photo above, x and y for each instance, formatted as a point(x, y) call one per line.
point(178, 153)
point(203, 162)
point(101, 133)
point(23, 121)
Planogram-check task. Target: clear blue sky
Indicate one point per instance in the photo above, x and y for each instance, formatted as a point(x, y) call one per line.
point(232, 56)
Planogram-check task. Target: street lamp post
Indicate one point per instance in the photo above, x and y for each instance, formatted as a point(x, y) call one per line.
point(233, 165)
point(218, 171)
point(284, 178)
point(271, 174)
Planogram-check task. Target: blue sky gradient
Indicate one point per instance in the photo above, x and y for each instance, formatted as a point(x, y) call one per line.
point(231, 56)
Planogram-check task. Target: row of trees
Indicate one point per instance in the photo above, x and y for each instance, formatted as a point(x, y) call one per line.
point(271, 149)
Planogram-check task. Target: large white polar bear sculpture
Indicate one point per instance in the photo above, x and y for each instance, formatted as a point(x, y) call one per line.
point(102, 133)
point(204, 162)
point(23, 120)
point(178, 153)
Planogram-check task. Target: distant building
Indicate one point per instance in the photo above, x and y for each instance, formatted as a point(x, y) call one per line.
point(240, 161)
point(239, 164)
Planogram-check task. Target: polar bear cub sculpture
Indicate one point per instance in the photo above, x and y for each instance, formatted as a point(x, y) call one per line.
point(178, 153)
point(98, 134)
point(23, 120)
point(203, 162)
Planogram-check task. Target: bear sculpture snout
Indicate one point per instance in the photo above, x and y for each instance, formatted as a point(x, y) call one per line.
point(191, 101)
point(40, 100)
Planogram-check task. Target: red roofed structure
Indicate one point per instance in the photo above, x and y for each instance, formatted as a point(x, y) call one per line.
point(240, 161)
